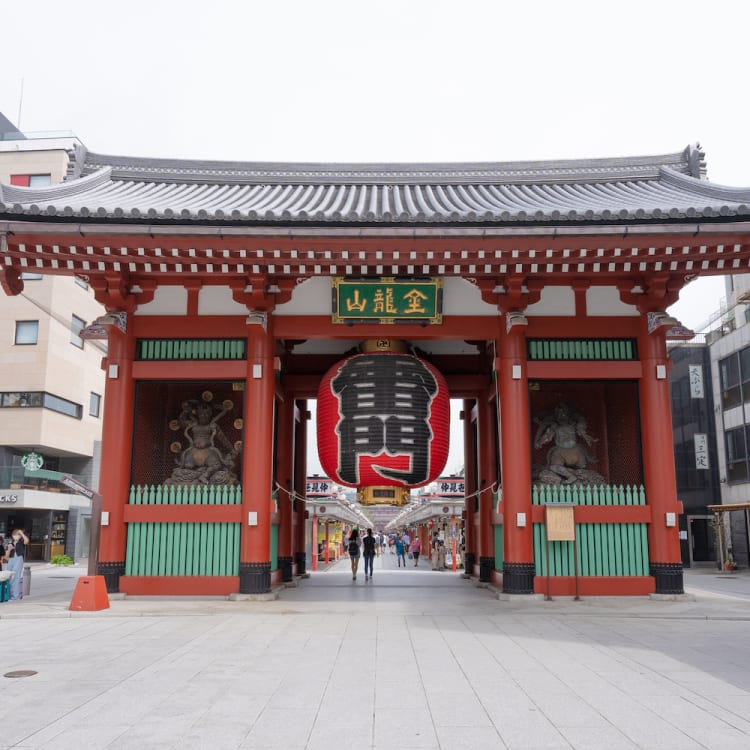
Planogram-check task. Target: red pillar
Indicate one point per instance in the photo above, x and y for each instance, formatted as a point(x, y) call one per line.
point(486, 430)
point(515, 460)
point(300, 486)
point(285, 485)
point(257, 479)
point(470, 487)
point(665, 561)
point(114, 475)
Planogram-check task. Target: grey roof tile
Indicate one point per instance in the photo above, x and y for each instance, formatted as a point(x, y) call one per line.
point(594, 190)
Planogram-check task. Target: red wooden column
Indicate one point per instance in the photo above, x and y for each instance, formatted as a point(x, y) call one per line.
point(117, 441)
point(486, 430)
point(665, 561)
point(515, 460)
point(470, 487)
point(285, 485)
point(257, 460)
point(300, 486)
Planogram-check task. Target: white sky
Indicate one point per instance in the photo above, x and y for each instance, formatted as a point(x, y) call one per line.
point(393, 80)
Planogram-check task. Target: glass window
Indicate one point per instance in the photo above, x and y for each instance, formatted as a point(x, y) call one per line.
point(27, 331)
point(736, 455)
point(95, 402)
point(63, 406)
point(81, 282)
point(31, 276)
point(76, 326)
point(40, 180)
point(729, 371)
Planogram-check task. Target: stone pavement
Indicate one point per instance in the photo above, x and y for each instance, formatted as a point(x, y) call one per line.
point(412, 659)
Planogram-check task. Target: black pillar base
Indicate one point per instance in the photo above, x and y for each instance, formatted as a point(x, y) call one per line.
point(285, 566)
point(469, 560)
point(301, 558)
point(668, 577)
point(255, 577)
point(111, 572)
point(518, 578)
point(486, 566)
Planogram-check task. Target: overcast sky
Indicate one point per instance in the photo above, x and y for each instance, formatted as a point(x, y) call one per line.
point(393, 80)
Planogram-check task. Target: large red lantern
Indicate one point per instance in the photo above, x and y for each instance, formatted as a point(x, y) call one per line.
point(383, 419)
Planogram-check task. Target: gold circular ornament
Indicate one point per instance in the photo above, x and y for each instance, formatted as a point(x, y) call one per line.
point(207, 396)
point(238, 445)
point(175, 447)
point(174, 425)
point(227, 404)
point(238, 424)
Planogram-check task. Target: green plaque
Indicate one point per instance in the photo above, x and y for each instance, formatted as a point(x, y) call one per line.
point(387, 300)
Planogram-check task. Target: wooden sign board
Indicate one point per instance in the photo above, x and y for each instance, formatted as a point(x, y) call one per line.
point(560, 522)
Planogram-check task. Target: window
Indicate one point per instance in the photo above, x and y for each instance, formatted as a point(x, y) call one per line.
point(63, 406)
point(31, 276)
point(729, 371)
point(76, 326)
point(83, 284)
point(95, 402)
point(27, 331)
point(737, 454)
point(31, 180)
point(16, 399)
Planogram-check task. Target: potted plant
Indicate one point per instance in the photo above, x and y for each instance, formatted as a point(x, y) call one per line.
point(729, 563)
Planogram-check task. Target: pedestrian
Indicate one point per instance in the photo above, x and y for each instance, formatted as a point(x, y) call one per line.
point(434, 551)
point(399, 545)
point(368, 553)
point(416, 547)
point(14, 555)
point(353, 549)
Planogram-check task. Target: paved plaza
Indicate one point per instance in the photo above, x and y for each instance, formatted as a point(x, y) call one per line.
point(412, 659)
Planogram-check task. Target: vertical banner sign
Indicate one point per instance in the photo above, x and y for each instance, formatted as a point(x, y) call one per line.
point(700, 441)
point(383, 419)
point(695, 374)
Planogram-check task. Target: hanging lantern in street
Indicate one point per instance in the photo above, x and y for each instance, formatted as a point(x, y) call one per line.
point(383, 419)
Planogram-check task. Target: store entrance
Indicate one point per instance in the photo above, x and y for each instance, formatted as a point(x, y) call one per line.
point(702, 540)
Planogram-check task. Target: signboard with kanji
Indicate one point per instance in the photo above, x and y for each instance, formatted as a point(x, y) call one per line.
point(387, 300)
point(320, 487)
point(450, 486)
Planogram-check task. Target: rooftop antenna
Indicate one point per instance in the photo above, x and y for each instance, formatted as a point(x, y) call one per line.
point(20, 106)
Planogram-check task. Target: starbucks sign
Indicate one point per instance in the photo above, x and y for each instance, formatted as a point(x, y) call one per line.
point(32, 461)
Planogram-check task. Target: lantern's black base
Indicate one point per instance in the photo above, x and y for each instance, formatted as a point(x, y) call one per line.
point(668, 577)
point(285, 566)
point(518, 578)
point(111, 572)
point(301, 558)
point(469, 560)
point(255, 577)
point(486, 566)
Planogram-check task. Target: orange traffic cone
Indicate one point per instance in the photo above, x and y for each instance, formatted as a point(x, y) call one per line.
point(90, 594)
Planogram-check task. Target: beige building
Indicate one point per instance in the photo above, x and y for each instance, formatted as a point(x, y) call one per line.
point(51, 381)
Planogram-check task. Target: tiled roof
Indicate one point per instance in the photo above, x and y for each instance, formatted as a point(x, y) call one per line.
point(632, 189)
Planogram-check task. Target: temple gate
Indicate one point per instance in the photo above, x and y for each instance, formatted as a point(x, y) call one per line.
point(223, 289)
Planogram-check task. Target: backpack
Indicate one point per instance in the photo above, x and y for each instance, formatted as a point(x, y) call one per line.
point(353, 548)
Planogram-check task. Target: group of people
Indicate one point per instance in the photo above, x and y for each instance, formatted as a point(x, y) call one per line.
point(12, 554)
point(371, 544)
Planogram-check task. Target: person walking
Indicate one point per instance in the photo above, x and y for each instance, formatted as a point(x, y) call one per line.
point(353, 549)
point(368, 553)
point(14, 555)
point(399, 545)
point(416, 548)
point(434, 551)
